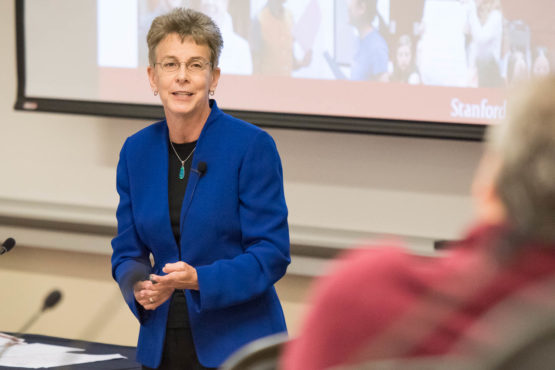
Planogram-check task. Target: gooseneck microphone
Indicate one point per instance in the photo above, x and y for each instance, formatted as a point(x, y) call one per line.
point(51, 300)
point(7, 245)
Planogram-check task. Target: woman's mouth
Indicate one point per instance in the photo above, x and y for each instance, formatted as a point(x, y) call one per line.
point(182, 93)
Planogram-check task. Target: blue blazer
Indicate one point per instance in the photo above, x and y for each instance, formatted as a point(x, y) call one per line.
point(233, 231)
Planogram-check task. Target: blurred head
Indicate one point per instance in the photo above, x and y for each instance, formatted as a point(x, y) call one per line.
point(362, 12)
point(186, 23)
point(518, 170)
point(485, 7)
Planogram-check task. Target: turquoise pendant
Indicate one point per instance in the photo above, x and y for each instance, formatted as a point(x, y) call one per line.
point(182, 173)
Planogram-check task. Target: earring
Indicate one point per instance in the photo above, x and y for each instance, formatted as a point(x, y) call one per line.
point(155, 92)
point(211, 92)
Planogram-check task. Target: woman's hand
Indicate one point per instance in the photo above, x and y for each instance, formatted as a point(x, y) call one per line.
point(150, 295)
point(180, 275)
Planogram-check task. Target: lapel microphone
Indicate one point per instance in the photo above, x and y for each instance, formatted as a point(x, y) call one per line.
point(201, 169)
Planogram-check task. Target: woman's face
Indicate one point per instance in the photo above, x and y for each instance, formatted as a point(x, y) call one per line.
point(183, 93)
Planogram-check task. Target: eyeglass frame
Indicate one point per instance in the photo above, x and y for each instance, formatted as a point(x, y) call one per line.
point(187, 65)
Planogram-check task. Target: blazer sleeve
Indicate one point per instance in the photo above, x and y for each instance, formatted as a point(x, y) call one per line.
point(264, 230)
point(130, 257)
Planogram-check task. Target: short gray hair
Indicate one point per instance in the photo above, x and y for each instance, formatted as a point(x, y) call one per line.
point(186, 23)
point(526, 146)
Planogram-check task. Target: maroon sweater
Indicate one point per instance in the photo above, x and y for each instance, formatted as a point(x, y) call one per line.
point(384, 303)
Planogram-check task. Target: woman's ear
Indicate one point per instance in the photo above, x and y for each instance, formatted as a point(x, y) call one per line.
point(152, 78)
point(215, 78)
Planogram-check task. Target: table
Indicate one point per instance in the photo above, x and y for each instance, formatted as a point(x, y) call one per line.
point(92, 348)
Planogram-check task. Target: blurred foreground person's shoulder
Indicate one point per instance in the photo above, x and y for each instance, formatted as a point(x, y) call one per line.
point(389, 306)
point(365, 292)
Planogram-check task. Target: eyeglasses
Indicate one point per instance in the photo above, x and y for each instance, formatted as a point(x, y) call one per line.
point(170, 65)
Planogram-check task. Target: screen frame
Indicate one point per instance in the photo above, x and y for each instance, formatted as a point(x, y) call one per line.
point(374, 126)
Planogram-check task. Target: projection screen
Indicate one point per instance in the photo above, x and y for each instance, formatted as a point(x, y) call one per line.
point(433, 68)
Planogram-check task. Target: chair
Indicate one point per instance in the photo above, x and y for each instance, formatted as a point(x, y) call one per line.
point(261, 354)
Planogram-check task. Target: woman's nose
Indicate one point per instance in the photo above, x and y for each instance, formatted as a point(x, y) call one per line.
point(182, 74)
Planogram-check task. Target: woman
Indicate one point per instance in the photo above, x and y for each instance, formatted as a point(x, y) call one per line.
point(383, 308)
point(202, 193)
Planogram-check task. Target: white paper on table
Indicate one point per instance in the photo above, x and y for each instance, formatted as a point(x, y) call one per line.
point(37, 355)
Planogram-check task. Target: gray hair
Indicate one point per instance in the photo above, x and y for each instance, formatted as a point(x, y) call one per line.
point(525, 144)
point(186, 23)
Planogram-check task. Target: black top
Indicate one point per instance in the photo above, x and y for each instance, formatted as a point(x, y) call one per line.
point(178, 316)
point(177, 186)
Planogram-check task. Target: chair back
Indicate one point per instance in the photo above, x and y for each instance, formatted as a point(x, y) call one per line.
point(261, 354)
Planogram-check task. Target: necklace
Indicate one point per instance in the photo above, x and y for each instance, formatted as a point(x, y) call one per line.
point(182, 170)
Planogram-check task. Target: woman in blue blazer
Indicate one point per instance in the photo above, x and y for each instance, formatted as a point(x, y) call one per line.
point(202, 220)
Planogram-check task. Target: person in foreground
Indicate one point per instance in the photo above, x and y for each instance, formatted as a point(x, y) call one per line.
point(201, 197)
point(382, 304)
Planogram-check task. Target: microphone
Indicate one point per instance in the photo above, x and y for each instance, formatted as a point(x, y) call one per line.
point(51, 300)
point(7, 245)
point(201, 168)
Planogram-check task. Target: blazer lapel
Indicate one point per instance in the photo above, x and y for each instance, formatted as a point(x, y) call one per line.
point(201, 155)
point(158, 173)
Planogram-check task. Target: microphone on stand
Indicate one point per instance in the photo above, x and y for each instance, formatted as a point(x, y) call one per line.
point(7, 245)
point(50, 301)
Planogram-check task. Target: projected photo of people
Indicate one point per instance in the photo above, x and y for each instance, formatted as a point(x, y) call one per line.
point(236, 56)
point(273, 39)
point(365, 56)
point(403, 35)
point(484, 28)
point(461, 55)
point(451, 43)
point(404, 67)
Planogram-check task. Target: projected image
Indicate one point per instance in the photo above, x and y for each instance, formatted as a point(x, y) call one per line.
point(418, 60)
point(236, 56)
point(260, 37)
point(462, 43)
